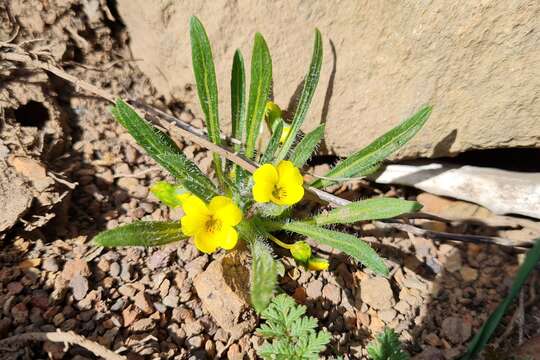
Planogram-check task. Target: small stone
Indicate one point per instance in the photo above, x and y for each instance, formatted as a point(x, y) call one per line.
point(50, 264)
point(160, 258)
point(79, 286)
point(118, 305)
point(300, 295)
point(332, 293)
point(19, 313)
point(143, 302)
point(196, 341)
point(171, 300)
point(193, 327)
point(15, 287)
point(143, 325)
point(75, 267)
point(127, 290)
point(130, 314)
point(387, 315)
point(5, 326)
point(114, 269)
point(377, 293)
point(195, 267)
point(234, 353)
point(314, 289)
point(452, 261)
point(456, 329)
point(125, 273)
point(402, 307)
point(468, 273)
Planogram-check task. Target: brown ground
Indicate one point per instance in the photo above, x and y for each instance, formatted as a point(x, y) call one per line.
point(78, 172)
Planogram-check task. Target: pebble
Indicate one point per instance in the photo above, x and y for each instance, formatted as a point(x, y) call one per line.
point(143, 302)
point(376, 292)
point(456, 329)
point(75, 267)
point(50, 264)
point(171, 300)
point(118, 305)
point(332, 293)
point(196, 266)
point(468, 274)
point(193, 327)
point(196, 341)
point(114, 269)
point(314, 289)
point(143, 325)
point(387, 315)
point(79, 286)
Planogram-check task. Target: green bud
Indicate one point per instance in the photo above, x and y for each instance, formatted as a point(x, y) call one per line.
point(301, 251)
point(317, 264)
point(169, 194)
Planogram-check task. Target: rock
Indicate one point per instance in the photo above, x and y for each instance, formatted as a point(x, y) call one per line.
point(377, 293)
point(160, 258)
point(75, 267)
point(130, 314)
point(19, 313)
point(171, 300)
point(79, 286)
point(387, 315)
point(50, 264)
point(456, 329)
point(15, 197)
point(314, 289)
point(143, 325)
point(430, 353)
point(127, 290)
point(234, 353)
point(193, 327)
point(394, 53)
point(530, 349)
point(114, 270)
point(196, 341)
point(332, 293)
point(196, 266)
point(143, 302)
point(224, 293)
point(468, 273)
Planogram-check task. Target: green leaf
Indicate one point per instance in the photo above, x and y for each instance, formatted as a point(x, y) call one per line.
point(349, 244)
point(141, 233)
point(259, 90)
point(205, 77)
point(371, 209)
point(273, 143)
point(481, 338)
point(310, 84)
point(305, 148)
point(386, 346)
point(164, 151)
point(263, 275)
point(168, 193)
point(238, 95)
point(364, 160)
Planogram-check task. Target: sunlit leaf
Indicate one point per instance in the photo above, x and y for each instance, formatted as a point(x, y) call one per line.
point(306, 147)
point(167, 193)
point(141, 233)
point(263, 275)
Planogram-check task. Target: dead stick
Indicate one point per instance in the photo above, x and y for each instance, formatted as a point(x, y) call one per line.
point(186, 131)
point(62, 337)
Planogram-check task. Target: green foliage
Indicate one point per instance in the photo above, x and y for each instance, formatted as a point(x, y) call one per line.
point(141, 233)
point(481, 338)
point(273, 144)
point(301, 251)
point(168, 193)
point(386, 346)
point(310, 84)
point(349, 244)
point(306, 147)
point(364, 161)
point(164, 151)
point(205, 76)
point(263, 275)
point(238, 98)
point(292, 335)
point(259, 90)
point(370, 209)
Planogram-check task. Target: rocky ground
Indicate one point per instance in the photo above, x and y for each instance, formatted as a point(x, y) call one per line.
point(80, 173)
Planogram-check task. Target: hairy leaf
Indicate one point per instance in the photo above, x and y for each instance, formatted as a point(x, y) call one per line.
point(370, 209)
point(273, 143)
point(349, 244)
point(263, 275)
point(168, 193)
point(259, 90)
point(164, 151)
point(310, 84)
point(364, 160)
point(141, 233)
point(481, 338)
point(306, 147)
point(386, 346)
point(238, 98)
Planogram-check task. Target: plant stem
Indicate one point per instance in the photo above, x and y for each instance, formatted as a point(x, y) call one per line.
point(279, 242)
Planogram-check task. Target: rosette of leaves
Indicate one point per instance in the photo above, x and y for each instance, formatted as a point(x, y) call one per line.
point(261, 221)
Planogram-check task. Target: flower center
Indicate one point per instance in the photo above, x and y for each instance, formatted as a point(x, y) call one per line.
point(279, 192)
point(213, 225)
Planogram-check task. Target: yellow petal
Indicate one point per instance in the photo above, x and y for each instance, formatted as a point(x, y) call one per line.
point(228, 238)
point(288, 173)
point(193, 205)
point(183, 197)
point(290, 194)
point(206, 242)
point(193, 223)
point(262, 191)
point(284, 134)
point(224, 209)
point(266, 173)
point(318, 264)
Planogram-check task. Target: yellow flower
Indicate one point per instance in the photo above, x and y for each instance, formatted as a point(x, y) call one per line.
point(281, 185)
point(317, 264)
point(284, 134)
point(212, 225)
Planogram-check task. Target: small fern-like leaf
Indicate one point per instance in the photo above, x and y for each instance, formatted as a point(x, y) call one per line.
point(141, 233)
point(386, 346)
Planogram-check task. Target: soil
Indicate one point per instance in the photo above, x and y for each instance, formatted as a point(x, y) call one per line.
point(77, 172)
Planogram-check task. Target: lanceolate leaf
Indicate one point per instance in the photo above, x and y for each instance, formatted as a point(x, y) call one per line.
point(259, 89)
point(164, 151)
point(263, 275)
point(141, 233)
point(484, 334)
point(310, 84)
point(273, 143)
point(168, 193)
point(364, 160)
point(349, 244)
point(238, 95)
point(371, 209)
point(205, 76)
point(305, 148)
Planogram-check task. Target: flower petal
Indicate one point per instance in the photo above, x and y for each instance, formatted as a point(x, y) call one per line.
point(224, 209)
point(206, 242)
point(193, 223)
point(193, 205)
point(288, 173)
point(290, 194)
point(228, 238)
point(266, 173)
point(262, 191)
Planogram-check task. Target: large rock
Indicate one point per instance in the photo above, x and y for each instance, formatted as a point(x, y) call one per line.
point(476, 62)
